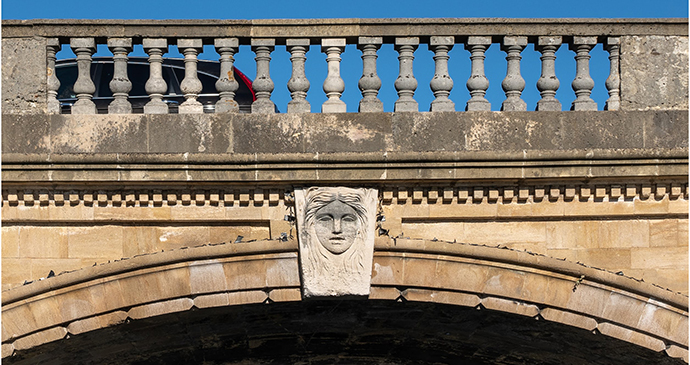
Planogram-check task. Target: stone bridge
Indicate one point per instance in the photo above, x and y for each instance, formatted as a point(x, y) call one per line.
point(496, 237)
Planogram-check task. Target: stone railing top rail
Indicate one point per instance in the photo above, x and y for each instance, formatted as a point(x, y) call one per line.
point(305, 28)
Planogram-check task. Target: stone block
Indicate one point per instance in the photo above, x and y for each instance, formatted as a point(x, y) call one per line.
point(438, 296)
point(39, 338)
point(571, 319)
point(407, 41)
point(370, 40)
point(624, 234)
point(160, 308)
point(7, 349)
point(267, 42)
point(583, 299)
point(659, 258)
point(23, 83)
point(155, 43)
point(492, 233)
point(98, 322)
point(441, 41)
point(653, 72)
point(42, 242)
point(241, 275)
point(623, 309)
point(387, 270)
point(478, 40)
point(664, 233)
point(613, 259)
point(140, 240)
point(419, 272)
point(675, 352)
point(572, 235)
point(630, 191)
point(285, 295)
point(664, 323)
point(189, 43)
point(247, 297)
point(207, 277)
point(549, 40)
point(629, 335)
point(384, 293)
point(16, 271)
point(514, 41)
point(174, 237)
point(10, 242)
point(154, 286)
point(104, 242)
point(226, 42)
point(211, 300)
point(510, 306)
point(283, 272)
point(445, 231)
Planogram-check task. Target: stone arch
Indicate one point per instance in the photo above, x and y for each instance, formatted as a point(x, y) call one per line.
point(428, 271)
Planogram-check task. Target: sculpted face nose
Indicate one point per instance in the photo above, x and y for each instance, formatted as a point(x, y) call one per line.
point(337, 226)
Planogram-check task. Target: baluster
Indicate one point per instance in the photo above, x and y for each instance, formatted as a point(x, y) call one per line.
point(190, 85)
point(226, 84)
point(52, 82)
point(548, 82)
point(477, 84)
point(155, 86)
point(84, 86)
point(263, 85)
point(406, 84)
point(441, 84)
point(513, 84)
point(370, 83)
point(334, 85)
point(583, 83)
point(298, 83)
point(120, 84)
point(613, 82)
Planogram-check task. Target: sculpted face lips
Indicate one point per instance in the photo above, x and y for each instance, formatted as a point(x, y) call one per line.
point(336, 227)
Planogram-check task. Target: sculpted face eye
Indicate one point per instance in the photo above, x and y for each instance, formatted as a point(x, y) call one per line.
point(324, 218)
point(349, 218)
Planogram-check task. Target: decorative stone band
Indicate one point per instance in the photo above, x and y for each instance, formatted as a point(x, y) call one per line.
point(415, 270)
point(143, 197)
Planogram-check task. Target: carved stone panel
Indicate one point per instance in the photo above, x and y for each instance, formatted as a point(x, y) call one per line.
point(335, 228)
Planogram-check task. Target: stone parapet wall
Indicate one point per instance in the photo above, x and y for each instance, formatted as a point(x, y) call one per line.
point(277, 137)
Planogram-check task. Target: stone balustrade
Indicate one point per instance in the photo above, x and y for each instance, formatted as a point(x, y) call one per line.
point(648, 61)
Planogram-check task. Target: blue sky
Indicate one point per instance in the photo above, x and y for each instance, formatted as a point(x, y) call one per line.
point(388, 66)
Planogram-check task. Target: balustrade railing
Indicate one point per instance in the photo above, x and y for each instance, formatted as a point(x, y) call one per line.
point(405, 35)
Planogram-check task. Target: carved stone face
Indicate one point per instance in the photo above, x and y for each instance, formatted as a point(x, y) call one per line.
point(336, 226)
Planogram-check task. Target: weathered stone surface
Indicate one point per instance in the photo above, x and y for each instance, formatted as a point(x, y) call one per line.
point(654, 72)
point(94, 323)
point(626, 334)
point(23, 59)
point(345, 133)
point(336, 240)
point(511, 306)
point(571, 319)
point(157, 309)
point(40, 338)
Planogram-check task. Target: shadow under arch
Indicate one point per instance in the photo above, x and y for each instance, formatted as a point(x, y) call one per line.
point(527, 293)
